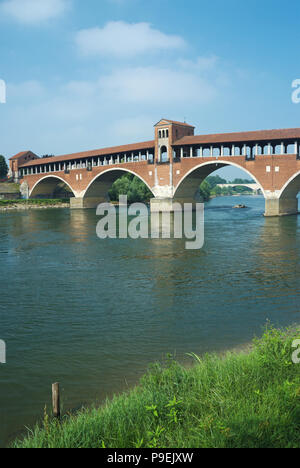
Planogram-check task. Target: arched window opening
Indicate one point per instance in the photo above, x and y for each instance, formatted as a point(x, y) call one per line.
point(249, 152)
point(277, 149)
point(258, 150)
point(163, 154)
point(265, 150)
point(290, 149)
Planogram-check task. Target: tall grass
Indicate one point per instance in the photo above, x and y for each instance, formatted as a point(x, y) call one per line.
point(34, 202)
point(239, 400)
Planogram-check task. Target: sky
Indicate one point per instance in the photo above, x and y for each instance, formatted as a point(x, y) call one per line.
point(85, 75)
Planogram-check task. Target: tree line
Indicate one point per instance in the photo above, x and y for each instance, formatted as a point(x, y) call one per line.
point(210, 187)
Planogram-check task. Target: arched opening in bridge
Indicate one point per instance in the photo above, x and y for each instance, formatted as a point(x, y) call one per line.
point(51, 187)
point(290, 195)
point(216, 179)
point(109, 185)
point(163, 154)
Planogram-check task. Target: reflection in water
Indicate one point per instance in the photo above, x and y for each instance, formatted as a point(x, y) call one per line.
point(278, 264)
point(79, 226)
point(93, 314)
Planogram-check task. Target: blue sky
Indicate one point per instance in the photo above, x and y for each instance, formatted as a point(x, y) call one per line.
point(84, 75)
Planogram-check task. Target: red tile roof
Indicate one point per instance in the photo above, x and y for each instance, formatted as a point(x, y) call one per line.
point(184, 124)
point(95, 153)
point(258, 136)
point(19, 155)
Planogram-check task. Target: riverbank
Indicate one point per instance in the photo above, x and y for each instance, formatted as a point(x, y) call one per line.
point(12, 205)
point(239, 400)
point(32, 204)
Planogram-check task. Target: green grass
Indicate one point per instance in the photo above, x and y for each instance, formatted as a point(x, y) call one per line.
point(238, 400)
point(33, 202)
point(6, 187)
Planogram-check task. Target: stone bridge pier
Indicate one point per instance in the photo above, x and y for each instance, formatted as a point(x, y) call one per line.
point(280, 206)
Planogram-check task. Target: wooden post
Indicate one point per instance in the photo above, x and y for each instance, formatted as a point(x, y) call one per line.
point(56, 400)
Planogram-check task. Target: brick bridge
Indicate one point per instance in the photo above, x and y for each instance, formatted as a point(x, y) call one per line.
point(254, 187)
point(172, 166)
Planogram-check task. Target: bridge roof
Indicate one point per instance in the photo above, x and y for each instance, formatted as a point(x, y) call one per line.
point(257, 136)
point(167, 121)
point(93, 153)
point(19, 155)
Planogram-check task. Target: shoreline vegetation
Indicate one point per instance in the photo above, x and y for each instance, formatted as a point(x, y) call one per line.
point(9, 205)
point(237, 400)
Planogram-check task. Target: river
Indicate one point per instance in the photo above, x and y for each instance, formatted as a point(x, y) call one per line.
point(93, 314)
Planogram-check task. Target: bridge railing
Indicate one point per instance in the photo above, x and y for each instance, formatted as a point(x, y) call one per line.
point(249, 150)
point(86, 163)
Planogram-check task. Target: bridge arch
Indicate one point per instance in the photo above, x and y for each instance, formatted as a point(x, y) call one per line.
point(189, 184)
point(291, 188)
point(101, 184)
point(47, 185)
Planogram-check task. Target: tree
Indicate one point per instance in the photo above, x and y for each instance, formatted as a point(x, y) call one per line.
point(131, 186)
point(3, 167)
point(242, 181)
point(215, 180)
point(205, 190)
point(217, 191)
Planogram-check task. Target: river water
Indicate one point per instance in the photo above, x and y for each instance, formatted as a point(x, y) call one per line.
point(93, 314)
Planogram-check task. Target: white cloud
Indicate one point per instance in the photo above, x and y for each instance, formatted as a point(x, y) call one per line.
point(28, 90)
point(33, 11)
point(133, 128)
point(119, 39)
point(119, 107)
point(200, 64)
point(156, 86)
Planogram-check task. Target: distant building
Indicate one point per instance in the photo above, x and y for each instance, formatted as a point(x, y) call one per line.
point(18, 160)
point(9, 191)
